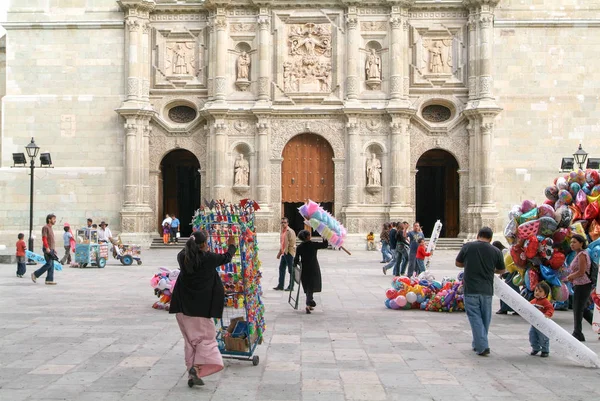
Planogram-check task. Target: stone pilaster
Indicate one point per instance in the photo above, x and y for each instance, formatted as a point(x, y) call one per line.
point(354, 171)
point(352, 57)
point(221, 170)
point(220, 26)
point(400, 166)
point(481, 111)
point(136, 215)
point(399, 52)
point(264, 55)
point(263, 173)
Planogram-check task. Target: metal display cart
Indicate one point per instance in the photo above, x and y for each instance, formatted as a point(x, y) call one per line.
point(242, 325)
point(88, 251)
point(294, 299)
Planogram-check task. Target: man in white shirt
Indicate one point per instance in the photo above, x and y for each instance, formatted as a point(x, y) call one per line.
point(104, 234)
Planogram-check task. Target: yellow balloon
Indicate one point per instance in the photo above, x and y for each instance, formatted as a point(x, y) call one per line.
point(592, 199)
point(509, 263)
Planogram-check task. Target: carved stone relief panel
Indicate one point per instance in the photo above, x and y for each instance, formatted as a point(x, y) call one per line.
point(307, 65)
point(178, 59)
point(438, 55)
point(284, 130)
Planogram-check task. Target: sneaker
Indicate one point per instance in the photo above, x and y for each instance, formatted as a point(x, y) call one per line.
point(502, 312)
point(545, 354)
point(33, 277)
point(534, 352)
point(485, 352)
point(50, 282)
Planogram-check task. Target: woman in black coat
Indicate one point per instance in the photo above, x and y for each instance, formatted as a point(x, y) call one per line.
point(198, 297)
point(306, 253)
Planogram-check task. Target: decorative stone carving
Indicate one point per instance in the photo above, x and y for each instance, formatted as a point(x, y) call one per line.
point(241, 169)
point(182, 114)
point(331, 130)
point(373, 171)
point(243, 71)
point(439, 56)
point(241, 27)
point(179, 59)
point(367, 26)
point(373, 70)
point(308, 65)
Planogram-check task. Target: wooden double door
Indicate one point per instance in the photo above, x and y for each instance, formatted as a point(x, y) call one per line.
point(307, 172)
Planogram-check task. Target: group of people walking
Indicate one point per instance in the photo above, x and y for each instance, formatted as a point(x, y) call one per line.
point(403, 248)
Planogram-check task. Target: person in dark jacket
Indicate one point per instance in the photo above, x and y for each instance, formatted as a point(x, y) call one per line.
point(306, 253)
point(197, 298)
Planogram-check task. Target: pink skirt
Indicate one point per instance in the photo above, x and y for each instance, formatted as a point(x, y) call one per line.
point(201, 349)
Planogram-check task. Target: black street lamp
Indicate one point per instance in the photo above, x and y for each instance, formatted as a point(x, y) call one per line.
point(20, 161)
point(580, 157)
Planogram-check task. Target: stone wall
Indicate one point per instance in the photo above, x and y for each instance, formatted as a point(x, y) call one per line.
point(546, 79)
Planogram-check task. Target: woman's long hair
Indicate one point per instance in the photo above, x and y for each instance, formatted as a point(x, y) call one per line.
point(192, 250)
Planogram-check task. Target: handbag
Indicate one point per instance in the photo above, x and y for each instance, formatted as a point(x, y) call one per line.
point(177, 234)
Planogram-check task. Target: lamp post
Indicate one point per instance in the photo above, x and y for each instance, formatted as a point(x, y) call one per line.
point(580, 157)
point(19, 161)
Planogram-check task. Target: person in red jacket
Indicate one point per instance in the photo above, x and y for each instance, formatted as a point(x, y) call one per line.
point(539, 342)
point(421, 255)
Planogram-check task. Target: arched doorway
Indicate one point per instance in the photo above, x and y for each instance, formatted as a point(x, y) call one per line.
point(437, 192)
point(307, 172)
point(180, 193)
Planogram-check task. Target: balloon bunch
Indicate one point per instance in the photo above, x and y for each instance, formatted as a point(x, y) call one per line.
point(425, 293)
point(242, 276)
point(540, 235)
point(163, 283)
point(324, 223)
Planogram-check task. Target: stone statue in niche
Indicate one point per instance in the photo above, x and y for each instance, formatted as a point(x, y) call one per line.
point(373, 171)
point(308, 64)
point(179, 62)
point(241, 171)
point(243, 66)
point(439, 56)
point(373, 66)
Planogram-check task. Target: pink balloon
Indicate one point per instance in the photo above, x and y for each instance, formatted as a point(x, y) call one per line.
point(400, 300)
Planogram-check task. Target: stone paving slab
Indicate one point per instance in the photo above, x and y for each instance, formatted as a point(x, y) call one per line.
point(95, 337)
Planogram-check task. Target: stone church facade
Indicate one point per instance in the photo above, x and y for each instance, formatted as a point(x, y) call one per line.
point(479, 98)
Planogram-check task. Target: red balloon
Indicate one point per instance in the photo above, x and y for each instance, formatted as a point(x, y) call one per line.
point(531, 246)
point(534, 278)
point(557, 260)
point(391, 293)
point(591, 211)
point(516, 251)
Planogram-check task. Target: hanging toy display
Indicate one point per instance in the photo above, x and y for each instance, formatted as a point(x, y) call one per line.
point(324, 223)
point(242, 327)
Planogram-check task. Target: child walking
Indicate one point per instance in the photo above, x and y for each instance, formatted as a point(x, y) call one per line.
point(421, 255)
point(21, 247)
point(306, 253)
point(539, 342)
point(67, 238)
point(166, 233)
point(370, 241)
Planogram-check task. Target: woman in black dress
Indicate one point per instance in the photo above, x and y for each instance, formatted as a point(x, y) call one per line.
point(306, 253)
point(198, 297)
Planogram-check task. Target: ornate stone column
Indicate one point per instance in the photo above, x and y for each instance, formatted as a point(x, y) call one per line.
point(136, 214)
point(481, 111)
point(264, 55)
point(262, 145)
point(400, 166)
point(220, 24)
point(221, 170)
point(355, 167)
point(399, 50)
point(352, 56)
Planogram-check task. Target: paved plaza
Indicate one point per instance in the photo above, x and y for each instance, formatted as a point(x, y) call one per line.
point(95, 337)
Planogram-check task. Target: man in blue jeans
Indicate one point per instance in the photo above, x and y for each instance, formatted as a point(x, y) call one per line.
point(174, 228)
point(480, 260)
point(287, 251)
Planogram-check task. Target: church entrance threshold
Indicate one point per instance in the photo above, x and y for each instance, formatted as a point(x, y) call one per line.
point(180, 188)
point(437, 192)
